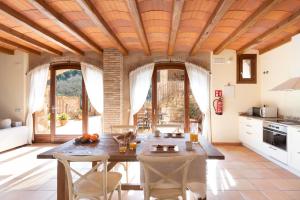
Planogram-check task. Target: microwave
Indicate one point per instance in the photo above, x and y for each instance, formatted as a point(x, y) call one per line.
point(264, 111)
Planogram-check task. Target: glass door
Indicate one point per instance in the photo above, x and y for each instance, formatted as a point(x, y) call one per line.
point(170, 100)
point(170, 107)
point(67, 111)
point(68, 102)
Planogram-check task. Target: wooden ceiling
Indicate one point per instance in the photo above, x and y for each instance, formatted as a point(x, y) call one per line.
point(149, 26)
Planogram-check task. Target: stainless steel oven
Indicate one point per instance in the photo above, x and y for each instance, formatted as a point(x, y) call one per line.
point(275, 134)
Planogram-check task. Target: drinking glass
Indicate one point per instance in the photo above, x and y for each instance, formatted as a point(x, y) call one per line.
point(193, 137)
point(132, 146)
point(122, 147)
point(194, 133)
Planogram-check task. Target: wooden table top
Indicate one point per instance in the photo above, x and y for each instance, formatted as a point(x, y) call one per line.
point(108, 145)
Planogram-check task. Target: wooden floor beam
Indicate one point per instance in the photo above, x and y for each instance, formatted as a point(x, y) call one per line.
point(36, 28)
point(136, 17)
point(7, 51)
point(263, 9)
point(29, 40)
point(176, 16)
point(215, 18)
point(20, 46)
point(91, 11)
point(274, 45)
point(273, 31)
point(65, 24)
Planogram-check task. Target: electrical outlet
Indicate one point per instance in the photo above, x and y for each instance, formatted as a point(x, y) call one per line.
point(17, 110)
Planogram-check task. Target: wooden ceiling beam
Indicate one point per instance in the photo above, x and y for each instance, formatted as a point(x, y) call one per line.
point(263, 9)
point(39, 29)
point(29, 40)
point(64, 23)
point(274, 45)
point(219, 12)
point(91, 11)
point(23, 47)
point(136, 17)
point(7, 51)
point(176, 16)
point(273, 31)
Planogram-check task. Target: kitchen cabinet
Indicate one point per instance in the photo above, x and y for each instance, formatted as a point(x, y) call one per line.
point(275, 153)
point(294, 147)
point(251, 132)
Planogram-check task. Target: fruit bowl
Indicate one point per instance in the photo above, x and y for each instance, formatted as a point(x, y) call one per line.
point(87, 139)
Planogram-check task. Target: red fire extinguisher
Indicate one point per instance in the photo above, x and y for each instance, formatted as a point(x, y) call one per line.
point(218, 102)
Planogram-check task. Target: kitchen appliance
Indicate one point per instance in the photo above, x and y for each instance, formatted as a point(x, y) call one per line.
point(264, 111)
point(288, 85)
point(275, 133)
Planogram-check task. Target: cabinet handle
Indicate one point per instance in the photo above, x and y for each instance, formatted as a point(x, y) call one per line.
point(298, 131)
point(248, 133)
point(248, 125)
point(272, 148)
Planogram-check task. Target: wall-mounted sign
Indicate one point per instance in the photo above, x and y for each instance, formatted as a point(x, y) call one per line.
point(218, 93)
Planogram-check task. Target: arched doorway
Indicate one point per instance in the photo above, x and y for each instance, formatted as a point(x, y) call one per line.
point(67, 111)
point(169, 99)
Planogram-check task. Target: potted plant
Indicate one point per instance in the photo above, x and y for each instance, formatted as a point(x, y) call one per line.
point(79, 114)
point(63, 118)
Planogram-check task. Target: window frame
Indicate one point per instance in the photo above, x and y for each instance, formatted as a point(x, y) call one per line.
point(239, 69)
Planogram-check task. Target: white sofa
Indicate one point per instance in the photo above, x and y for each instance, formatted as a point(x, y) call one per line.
point(13, 137)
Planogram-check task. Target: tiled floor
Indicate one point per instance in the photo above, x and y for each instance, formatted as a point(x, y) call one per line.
point(244, 175)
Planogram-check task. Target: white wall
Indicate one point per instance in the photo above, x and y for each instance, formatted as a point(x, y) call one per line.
point(225, 127)
point(13, 85)
point(282, 63)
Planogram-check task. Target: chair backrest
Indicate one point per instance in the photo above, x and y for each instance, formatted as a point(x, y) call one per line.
point(169, 127)
point(66, 160)
point(165, 172)
point(122, 128)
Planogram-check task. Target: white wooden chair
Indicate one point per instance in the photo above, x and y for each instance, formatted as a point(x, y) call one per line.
point(169, 127)
point(93, 184)
point(123, 129)
point(161, 184)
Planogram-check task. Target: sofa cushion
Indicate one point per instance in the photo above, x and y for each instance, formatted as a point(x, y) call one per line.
point(5, 123)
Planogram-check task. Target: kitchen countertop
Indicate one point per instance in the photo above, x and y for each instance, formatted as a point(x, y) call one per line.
point(266, 119)
point(294, 126)
point(260, 118)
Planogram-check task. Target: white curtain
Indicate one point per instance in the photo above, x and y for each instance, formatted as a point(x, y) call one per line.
point(37, 87)
point(139, 82)
point(200, 86)
point(93, 80)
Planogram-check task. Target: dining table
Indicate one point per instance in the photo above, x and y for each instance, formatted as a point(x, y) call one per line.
point(107, 144)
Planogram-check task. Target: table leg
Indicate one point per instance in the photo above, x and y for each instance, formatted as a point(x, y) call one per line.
point(111, 165)
point(62, 185)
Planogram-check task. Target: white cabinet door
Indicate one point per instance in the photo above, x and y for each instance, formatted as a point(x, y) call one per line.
point(294, 147)
point(251, 132)
point(275, 153)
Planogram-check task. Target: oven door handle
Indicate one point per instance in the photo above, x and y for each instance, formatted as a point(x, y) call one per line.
point(274, 132)
point(272, 148)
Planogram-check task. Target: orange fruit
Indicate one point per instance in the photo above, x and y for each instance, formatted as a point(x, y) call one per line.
point(86, 136)
point(93, 138)
point(96, 134)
